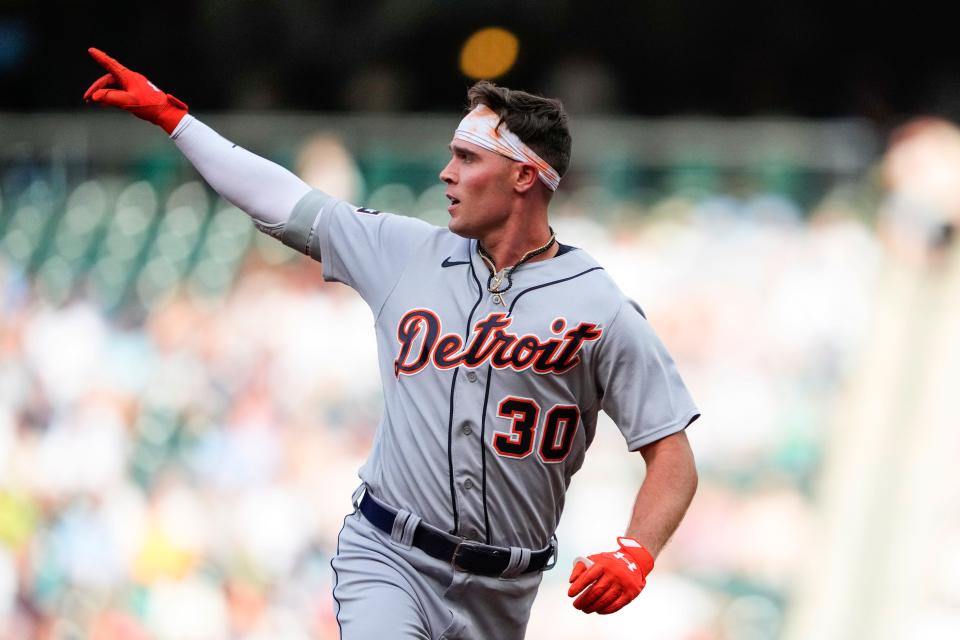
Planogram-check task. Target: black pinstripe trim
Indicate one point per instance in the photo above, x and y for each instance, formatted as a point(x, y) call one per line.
point(483, 453)
point(336, 577)
point(453, 494)
point(453, 386)
point(547, 284)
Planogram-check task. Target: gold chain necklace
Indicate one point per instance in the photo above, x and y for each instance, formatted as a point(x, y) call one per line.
point(496, 278)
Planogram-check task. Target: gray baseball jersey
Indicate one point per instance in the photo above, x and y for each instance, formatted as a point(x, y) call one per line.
point(489, 408)
point(490, 404)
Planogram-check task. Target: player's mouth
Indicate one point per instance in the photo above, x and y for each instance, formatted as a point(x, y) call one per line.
point(453, 202)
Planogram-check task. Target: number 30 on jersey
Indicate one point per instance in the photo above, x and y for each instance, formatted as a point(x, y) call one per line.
point(556, 437)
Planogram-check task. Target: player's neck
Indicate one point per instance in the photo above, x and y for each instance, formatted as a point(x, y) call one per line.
point(508, 249)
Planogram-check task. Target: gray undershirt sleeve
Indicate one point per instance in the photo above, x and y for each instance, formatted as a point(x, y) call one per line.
point(300, 230)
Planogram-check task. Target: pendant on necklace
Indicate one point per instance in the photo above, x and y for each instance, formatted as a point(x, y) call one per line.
point(497, 280)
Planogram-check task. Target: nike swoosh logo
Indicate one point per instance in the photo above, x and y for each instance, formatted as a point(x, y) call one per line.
point(447, 262)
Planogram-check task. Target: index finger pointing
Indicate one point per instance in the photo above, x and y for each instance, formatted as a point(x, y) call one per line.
point(106, 61)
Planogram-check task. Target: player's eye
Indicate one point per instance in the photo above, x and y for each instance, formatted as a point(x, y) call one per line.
point(462, 155)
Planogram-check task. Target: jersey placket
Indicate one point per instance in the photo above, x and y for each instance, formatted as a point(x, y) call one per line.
point(467, 453)
point(474, 422)
point(468, 440)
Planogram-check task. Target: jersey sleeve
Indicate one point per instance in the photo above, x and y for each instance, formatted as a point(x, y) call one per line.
point(363, 248)
point(640, 387)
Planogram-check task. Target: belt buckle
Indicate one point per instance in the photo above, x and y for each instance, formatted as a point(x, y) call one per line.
point(462, 543)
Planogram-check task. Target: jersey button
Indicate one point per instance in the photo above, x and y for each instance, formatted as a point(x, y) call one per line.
point(467, 430)
point(471, 376)
point(468, 484)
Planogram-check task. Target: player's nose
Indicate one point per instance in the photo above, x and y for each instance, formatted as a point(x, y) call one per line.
point(447, 174)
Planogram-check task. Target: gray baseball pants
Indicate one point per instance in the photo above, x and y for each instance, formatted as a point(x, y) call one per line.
point(383, 590)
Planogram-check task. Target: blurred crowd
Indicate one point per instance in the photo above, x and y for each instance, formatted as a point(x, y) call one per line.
point(184, 404)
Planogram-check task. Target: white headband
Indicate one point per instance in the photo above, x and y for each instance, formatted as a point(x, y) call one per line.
point(480, 128)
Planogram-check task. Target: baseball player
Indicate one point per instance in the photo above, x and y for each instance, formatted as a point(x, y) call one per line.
point(498, 347)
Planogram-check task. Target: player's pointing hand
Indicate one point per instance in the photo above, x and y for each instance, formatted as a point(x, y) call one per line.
point(132, 92)
point(610, 580)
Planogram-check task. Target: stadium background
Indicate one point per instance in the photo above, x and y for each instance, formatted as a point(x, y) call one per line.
point(180, 429)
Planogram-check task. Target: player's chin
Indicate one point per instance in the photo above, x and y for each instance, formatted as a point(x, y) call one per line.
point(458, 226)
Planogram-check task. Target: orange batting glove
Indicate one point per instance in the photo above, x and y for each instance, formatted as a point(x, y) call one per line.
point(610, 580)
point(131, 91)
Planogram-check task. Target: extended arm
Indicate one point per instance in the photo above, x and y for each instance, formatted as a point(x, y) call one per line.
point(264, 190)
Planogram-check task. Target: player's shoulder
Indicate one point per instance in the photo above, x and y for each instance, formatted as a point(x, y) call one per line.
point(578, 281)
point(601, 284)
point(369, 212)
point(620, 316)
point(407, 226)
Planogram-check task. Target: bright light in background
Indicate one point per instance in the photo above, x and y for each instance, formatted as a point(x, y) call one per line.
point(489, 53)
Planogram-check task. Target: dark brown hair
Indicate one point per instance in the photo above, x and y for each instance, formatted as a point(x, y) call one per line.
point(541, 123)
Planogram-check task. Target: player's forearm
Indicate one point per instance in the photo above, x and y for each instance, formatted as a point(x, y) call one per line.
point(666, 492)
point(263, 189)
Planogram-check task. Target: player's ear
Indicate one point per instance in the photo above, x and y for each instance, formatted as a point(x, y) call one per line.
point(525, 177)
